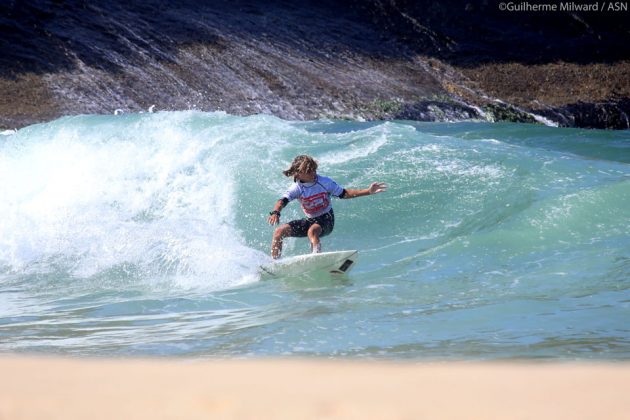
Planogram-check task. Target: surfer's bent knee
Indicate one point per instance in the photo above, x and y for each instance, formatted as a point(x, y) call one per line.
point(315, 229)
point(282, 231)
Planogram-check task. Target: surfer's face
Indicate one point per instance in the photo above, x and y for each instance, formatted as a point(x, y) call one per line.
point(306, 176)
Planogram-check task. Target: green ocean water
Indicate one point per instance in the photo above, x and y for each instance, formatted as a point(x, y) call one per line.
point(142, 235)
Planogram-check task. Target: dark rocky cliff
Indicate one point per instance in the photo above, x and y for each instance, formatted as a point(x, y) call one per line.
point(368, 59)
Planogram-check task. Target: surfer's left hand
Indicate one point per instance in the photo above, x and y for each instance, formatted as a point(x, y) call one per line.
point(377, 187)
point(273, 219)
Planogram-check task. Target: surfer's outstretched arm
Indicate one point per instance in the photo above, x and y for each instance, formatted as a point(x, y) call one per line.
point(374, 188)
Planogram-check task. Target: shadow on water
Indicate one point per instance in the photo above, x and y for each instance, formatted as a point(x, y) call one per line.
point(475, 32)
point(43, 36)
point(312, 281)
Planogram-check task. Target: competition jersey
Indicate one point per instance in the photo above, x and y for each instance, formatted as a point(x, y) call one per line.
point(314, 196)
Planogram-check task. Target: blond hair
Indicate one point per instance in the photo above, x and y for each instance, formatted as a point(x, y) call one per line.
point(301, 163)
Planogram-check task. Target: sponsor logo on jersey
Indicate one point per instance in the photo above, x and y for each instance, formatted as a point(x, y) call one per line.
point(315, 203)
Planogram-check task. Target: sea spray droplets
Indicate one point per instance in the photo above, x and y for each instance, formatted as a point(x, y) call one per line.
point(105, 195)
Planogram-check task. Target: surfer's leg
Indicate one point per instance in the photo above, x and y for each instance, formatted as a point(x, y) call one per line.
point(313, 235)
point(279, 234)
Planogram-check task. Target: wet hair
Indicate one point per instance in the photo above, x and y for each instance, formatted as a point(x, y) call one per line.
point(301, 163)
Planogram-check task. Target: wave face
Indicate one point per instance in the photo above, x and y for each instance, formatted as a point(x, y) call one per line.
point(141, 234)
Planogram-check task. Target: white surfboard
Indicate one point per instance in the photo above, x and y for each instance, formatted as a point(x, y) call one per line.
point(337, 262)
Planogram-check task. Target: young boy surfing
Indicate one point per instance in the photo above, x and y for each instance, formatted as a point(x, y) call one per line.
point(314, 193)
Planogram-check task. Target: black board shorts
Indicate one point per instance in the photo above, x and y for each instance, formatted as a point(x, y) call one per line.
point(299, 228)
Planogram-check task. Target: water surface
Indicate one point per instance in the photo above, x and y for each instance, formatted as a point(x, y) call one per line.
point(141, 235)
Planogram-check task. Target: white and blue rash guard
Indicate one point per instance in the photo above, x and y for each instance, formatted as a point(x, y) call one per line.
point(314, 196)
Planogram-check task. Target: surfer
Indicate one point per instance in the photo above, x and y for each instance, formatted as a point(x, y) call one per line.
point(314, 193)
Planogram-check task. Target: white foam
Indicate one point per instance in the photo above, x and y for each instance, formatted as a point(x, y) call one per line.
point(150, 194)
point(437, 158)
point(364, 143)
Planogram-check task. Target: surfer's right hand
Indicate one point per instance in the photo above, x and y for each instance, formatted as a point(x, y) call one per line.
point(274, 219)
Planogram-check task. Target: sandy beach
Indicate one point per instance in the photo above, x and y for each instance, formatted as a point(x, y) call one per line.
point(62, 388)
